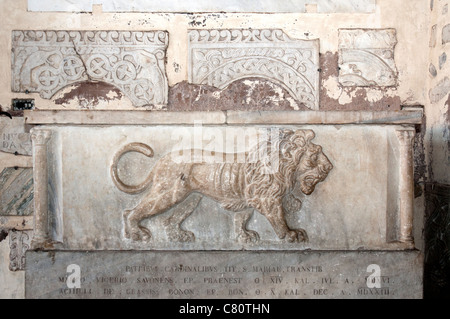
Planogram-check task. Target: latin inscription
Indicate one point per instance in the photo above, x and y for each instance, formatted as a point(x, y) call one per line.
point(13, 138)
point(152, 278)
point(264, 281)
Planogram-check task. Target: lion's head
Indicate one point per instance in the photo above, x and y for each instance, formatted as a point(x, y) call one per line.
point(298, 161)
point(313, 166)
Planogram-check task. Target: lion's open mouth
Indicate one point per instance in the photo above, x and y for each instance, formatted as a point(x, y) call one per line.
point(308, 184)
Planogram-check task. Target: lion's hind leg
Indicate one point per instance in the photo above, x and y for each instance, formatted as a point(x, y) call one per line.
point(156, 203)
point(133, 230)
point(179, 215)
point(243, 234)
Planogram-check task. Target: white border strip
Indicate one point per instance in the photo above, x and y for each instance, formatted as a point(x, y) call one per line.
point(179, 6)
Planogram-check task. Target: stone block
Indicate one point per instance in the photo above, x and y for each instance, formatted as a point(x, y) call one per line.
point(432, 70)
point(19, 243)
point(224, 275)
point(440, 90)
point(446, 34)
point(442, 60)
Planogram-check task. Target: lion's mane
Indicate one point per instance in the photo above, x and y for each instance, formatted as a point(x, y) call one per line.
point(271, 167)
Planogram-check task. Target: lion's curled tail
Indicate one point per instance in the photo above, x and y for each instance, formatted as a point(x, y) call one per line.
point(133, 147)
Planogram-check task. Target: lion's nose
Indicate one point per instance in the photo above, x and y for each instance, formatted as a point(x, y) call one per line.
point(327, 167)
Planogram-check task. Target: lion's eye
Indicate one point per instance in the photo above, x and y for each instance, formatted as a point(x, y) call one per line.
point(314, 158)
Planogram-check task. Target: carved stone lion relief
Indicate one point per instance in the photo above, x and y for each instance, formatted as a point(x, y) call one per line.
point(238, 187)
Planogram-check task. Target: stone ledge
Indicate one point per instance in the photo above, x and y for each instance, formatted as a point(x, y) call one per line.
point(122, 117)
point(324, 117)
point(217, 117)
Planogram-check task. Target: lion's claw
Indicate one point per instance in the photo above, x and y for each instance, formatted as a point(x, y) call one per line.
point(297, 236)
point(248, 236)
point(180, 235)
point(133, 232)
point(140, 234)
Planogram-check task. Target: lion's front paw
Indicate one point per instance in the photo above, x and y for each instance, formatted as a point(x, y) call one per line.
point(186, 236)
point(179, 235)
point(139, 234)
point(297, 235)
point(248, 236)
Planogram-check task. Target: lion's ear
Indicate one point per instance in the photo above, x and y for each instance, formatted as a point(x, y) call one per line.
point(309, 135)
point(286, 134)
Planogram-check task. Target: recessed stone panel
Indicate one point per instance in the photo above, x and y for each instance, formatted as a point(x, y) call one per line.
point(366, 57)
point(220, 57)
point(179, 187)
point(132, 61)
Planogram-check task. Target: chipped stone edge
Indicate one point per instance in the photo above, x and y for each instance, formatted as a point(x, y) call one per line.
point(110, 118)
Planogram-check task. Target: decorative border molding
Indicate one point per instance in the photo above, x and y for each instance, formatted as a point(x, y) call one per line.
point(437, 239)
point(134, 62)
point(19, 243)
point(220, 57)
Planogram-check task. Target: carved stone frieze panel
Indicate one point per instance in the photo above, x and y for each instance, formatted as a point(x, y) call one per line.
point(366, 57)
point(19, 243)
point(189, 187)
point(220, 57)
point(47, 61)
